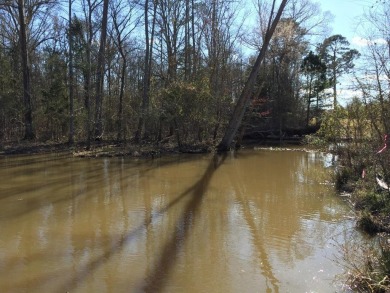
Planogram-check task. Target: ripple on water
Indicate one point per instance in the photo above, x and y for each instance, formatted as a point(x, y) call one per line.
point(262, 224)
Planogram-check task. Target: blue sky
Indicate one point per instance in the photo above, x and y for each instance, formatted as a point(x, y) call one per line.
point(348, 17)
point(347, 22)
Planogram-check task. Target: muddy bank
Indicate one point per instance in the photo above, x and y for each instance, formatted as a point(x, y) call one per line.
point(102, 149)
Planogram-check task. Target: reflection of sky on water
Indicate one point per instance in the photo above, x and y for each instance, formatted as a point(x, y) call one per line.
point(252, 222)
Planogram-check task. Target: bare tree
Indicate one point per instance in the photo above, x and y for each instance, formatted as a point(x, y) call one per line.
point(100, 74)
point(246, 93)
point(84, 31)
point(30, 20)
point(124, 22)
point(305, 13)
point(170, 20)
point(220, 31)
point(374, 80)
point(149, 37)
point(26, 69)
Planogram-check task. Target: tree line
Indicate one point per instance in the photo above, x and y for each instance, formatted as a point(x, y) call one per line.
point(149, 70)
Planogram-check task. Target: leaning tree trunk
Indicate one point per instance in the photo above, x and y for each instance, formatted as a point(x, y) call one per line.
point(242, 102)
point(28, 123)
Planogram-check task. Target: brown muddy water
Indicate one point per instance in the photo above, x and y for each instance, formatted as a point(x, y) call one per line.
point(254, 221)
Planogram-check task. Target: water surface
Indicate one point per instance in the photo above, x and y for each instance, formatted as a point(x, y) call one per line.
point(255, 221)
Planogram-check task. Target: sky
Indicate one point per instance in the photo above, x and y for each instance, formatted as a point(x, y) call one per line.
point(347, 22)
point(347, 17)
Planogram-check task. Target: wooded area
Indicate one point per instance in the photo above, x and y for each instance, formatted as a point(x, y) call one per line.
point(149, 70)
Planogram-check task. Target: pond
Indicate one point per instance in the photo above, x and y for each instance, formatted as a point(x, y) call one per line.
point(252, 221)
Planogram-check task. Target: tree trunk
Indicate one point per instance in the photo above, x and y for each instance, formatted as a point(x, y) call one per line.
point(87, 72)
point(187, 62)
point(87, 100)
point(334, 87)
point(100, 74)
point(121, 94)
point(147, 71)
point(309, 102)
point(194, 51)
point(28, 123)
point(71, 111)
point(242, 102)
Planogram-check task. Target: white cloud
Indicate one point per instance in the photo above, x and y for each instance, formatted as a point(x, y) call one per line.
point(347, 94)
point(362, 42)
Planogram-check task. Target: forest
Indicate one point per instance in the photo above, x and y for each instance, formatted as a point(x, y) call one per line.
point(124, 70)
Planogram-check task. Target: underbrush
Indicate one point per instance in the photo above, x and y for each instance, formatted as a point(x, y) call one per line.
point(368, 266)
point(358, 168)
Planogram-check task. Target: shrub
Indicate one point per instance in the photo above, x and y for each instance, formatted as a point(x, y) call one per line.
point(367, 224)
point(344, 178)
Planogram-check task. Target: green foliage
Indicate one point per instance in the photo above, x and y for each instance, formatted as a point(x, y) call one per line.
point(314, 70)
point(339, 59)
point(338, 55)
point(343, 178)
point(315, 141)
point(371, 202)
point(346, 123)
point(332, 125)
point(186, 105)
